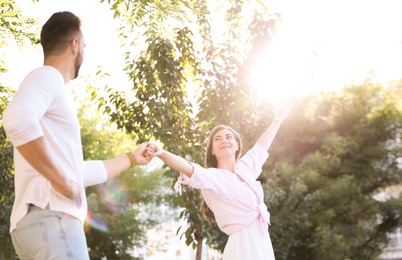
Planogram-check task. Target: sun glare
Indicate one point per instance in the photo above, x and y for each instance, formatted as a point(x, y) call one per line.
point(279, 74)
point(319, 51)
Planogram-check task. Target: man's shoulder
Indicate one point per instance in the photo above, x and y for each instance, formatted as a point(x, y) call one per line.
point(43, 76)
point(43, 70)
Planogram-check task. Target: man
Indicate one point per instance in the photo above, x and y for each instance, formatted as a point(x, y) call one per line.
point(50, 174)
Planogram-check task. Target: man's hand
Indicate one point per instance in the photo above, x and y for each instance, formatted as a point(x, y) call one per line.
point(144, 153)
point(36, 153)
point(71, 190)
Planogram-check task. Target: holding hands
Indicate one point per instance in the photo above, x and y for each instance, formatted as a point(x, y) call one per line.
point(147, 151)
point(173, 161)
point(143, 154)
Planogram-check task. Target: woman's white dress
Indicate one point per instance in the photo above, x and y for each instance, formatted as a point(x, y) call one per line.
point(250, 243)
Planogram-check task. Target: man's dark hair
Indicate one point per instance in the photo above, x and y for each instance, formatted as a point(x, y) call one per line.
point(58, 31)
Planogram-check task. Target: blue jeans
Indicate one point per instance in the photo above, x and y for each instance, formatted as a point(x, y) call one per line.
point(44, 234)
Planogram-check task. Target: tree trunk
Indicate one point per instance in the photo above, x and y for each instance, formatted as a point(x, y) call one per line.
point(199, 249)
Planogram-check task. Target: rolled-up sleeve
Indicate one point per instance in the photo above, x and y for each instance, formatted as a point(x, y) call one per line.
point(201, 179)
point(94, 173)
point(22, 122)
point(253, 161)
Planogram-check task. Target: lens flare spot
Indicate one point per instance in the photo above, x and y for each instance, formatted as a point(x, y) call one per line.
point(114, 195)
point(91, 222)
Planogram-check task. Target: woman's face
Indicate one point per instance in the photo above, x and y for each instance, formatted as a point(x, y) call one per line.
point(224, 144)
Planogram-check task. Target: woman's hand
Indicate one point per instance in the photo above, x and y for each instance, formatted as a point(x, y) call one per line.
point(281, 112)
point(157, 150)
point(265, 140)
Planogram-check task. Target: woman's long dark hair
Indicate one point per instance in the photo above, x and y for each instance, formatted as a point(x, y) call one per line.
point(210, 161)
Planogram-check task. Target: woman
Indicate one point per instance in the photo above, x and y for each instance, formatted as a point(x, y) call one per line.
point(230, 190)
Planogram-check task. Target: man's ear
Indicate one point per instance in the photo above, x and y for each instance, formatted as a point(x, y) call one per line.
point(75, 46)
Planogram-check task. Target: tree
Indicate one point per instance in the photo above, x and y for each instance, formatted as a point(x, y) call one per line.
point(124, 208)
point(337, 151)
point(337, 148)
point(181, 50)
point(20, 30)
point(145, 191)
point(16, 28)
point(7, 181)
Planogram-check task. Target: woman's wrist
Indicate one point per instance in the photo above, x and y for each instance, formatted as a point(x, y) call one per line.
point(280, 121)
point(160, 153)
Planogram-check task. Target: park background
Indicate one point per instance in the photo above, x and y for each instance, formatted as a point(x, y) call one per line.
point(170, 70)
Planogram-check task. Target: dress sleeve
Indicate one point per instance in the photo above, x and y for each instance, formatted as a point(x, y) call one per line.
point(251, 163)
point(94, 173)
point(201, 179)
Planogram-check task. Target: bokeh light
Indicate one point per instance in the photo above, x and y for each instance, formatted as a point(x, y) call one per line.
point(91, 222)
point(114, 195)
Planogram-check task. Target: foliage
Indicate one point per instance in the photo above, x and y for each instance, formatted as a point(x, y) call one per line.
point(181, 54)
point(124, 208)
point(337, 151)
point(16, 28)
point(20, 30)
point(7, 182)
point(330, 160)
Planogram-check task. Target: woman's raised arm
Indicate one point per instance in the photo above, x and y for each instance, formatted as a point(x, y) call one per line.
point(265, 140)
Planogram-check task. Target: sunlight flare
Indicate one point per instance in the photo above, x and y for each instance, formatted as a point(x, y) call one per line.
point(280, 74)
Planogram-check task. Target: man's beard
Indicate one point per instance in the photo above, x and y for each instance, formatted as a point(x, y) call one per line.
point(77, 65)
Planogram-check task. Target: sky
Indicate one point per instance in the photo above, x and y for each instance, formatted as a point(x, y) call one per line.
point(320, 45)
point(323, 45)
point(102, 45)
